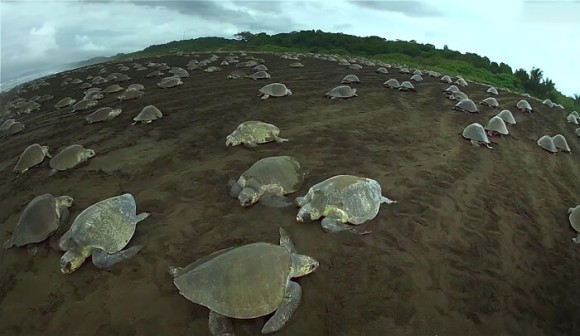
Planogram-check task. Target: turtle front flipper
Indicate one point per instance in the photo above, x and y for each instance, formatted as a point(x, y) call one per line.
point(276, 201)
point(330, 224)
point(576, 239)
point(102, 259)
point(280, 140)
point(286, 309)
point(250, 144)
point(220, 325)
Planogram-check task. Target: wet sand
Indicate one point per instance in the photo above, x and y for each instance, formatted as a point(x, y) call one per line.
point(479, 242)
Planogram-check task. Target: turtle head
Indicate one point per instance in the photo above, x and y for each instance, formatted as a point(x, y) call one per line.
point(232, 141)
point(248, 197)
point(302, 265)
point(89, 153)
point(307, 213)
point(65, 201)
point(70, 261)
point(45, 151)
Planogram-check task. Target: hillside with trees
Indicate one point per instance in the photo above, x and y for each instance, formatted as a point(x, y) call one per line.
point(447, 61)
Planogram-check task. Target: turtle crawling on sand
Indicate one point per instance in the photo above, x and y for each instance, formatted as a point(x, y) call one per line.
point(274, 90)
point(103, 114)
point(246, 282)
point(341, 91)
point(101, 231)
point(475, 133)
point(253, 132)
point(40, 219)
point(65, 102)
point(342, 199)
point(546, 142)
point(70, 157)
point(30, 157)
point(267, 181)
point(496, 126)
point(561, 143)
point(147, 115)
point(574, 218)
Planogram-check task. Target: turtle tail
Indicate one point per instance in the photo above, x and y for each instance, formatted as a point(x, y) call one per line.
point(387, 200)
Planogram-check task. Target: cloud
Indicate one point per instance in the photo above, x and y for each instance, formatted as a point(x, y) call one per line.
point(408, 8)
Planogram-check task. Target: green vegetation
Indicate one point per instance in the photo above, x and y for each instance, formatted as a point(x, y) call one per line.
point(446, 61)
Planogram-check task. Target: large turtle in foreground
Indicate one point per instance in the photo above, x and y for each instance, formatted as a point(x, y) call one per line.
point(254, 132)
point(267, 181)
point(274, 90)
point(342, 199)
point(475, 133)
point(102, 231)
point(70, 157)
point(40, 219)
point(30, 157)
point(246, 282)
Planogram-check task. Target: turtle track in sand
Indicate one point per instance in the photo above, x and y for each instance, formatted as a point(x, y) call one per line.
point(478, 242)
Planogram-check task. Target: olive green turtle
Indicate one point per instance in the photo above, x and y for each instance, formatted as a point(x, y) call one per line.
point(113, 88)
point(274, 90)
point(407, 86)
point(348, 79)
point(30, 157)
point(131, 94)
point(392, 83)
point(260, 75)
point(341, 91)
point(342, 199)
point(547, 143)
point(84, 104)
point(267, 181)
point(65, 102)
point(70, 157)
point(524, 106)
point(101, 231)
point(40, 219)
point(147, 115)
point(491, 102)
point(253, 132)
point(496, 126)
point(475, 133)
point(103, 114)
point(246, 282)
point(561, 143)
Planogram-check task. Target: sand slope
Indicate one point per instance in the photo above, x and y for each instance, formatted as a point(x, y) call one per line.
point(478, 243)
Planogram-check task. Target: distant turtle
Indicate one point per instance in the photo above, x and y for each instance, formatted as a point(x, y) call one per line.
point(574, 218)
point(461, 81)
point(392, 83)
point(267, 181)
point(350, 79)
point(546, 142)
point(155, 73)
point(496, 126)
point(475, 133)
point(490, 101)
point(573, 118)
point(296, 65)
point(179, 72)
point(40, 219)
point(416, 78)
point(458, 96)
point(261, 67)
point(147, 115)
point(103, 114)
point(466, 105)
point(342, 199)
point(65, 102)
point(70, 157)
point(30, 157)
point(260, 75)
point(135, 87)
point(404, 70)
point(246, 282)
point(507, 117)
point(524, 106)
point(102, 231)
point(170, 82)
point(561, 143)
point(237, 74)
point(83, 105)
point(212, 69)
point(274, 90)
point(341, 91)
point(6, 124)
point(354, 66)
point(128, 95)
point(492, 90)
point(451, 89)
point(417, 72)
point(406, 86)
point(446, 79)
point(113, 88)
point(382, 70)
point(548, 103)
point(14, 128)
point(250, 133)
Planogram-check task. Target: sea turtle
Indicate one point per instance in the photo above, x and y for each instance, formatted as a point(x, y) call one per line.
point(466, 105)
point(102, 231)
point(461, 81)
point(40, 219)
point(237, 74)
point(404, 70)
point(561, 143)
point(170, 82)
point(103, 114)
point(458, 96)
point(406, 86)
point(155, 73)
point(382, 70)
point(6, 124)
point(267, 181)
point(451, 89)
point(30, 157)
point(113, 88)
point(274, 90)
point(342, 199)
point(95, 96)
point(446, 79)
point(135, 87)
point(524, 106)
point(548, 103)
point(490, 101)
point(70, 157)
point(496, 126)
point(507, 116)
point(65, 102)
point(392, 83)
point(547, 143)
point(261, 67)
point(212, 69)
point(416, 78)
point(354, 66)
point(417, 72)
point(250, 133)
point(492, 90)
point(573, 118)
point(341, 91)
point(577, 132)
point(475, 133)
point(246, 282)
point(83, 105)
point(574, 218)
point(147, 115)
point(259, 75)
point(179, 72)
point(14, 128)
point(348, 79)
point(128, 95)
point(296, 65)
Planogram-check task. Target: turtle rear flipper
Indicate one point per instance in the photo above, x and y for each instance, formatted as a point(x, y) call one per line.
point(220, 325)
point(330, 224)
point(280, 140)
point(275, 201)
point(289, 304)
point(102, 259)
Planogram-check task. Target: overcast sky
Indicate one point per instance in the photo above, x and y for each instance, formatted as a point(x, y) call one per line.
point(520, 33)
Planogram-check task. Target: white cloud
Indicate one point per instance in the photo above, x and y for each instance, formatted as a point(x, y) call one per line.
point(522, 34)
